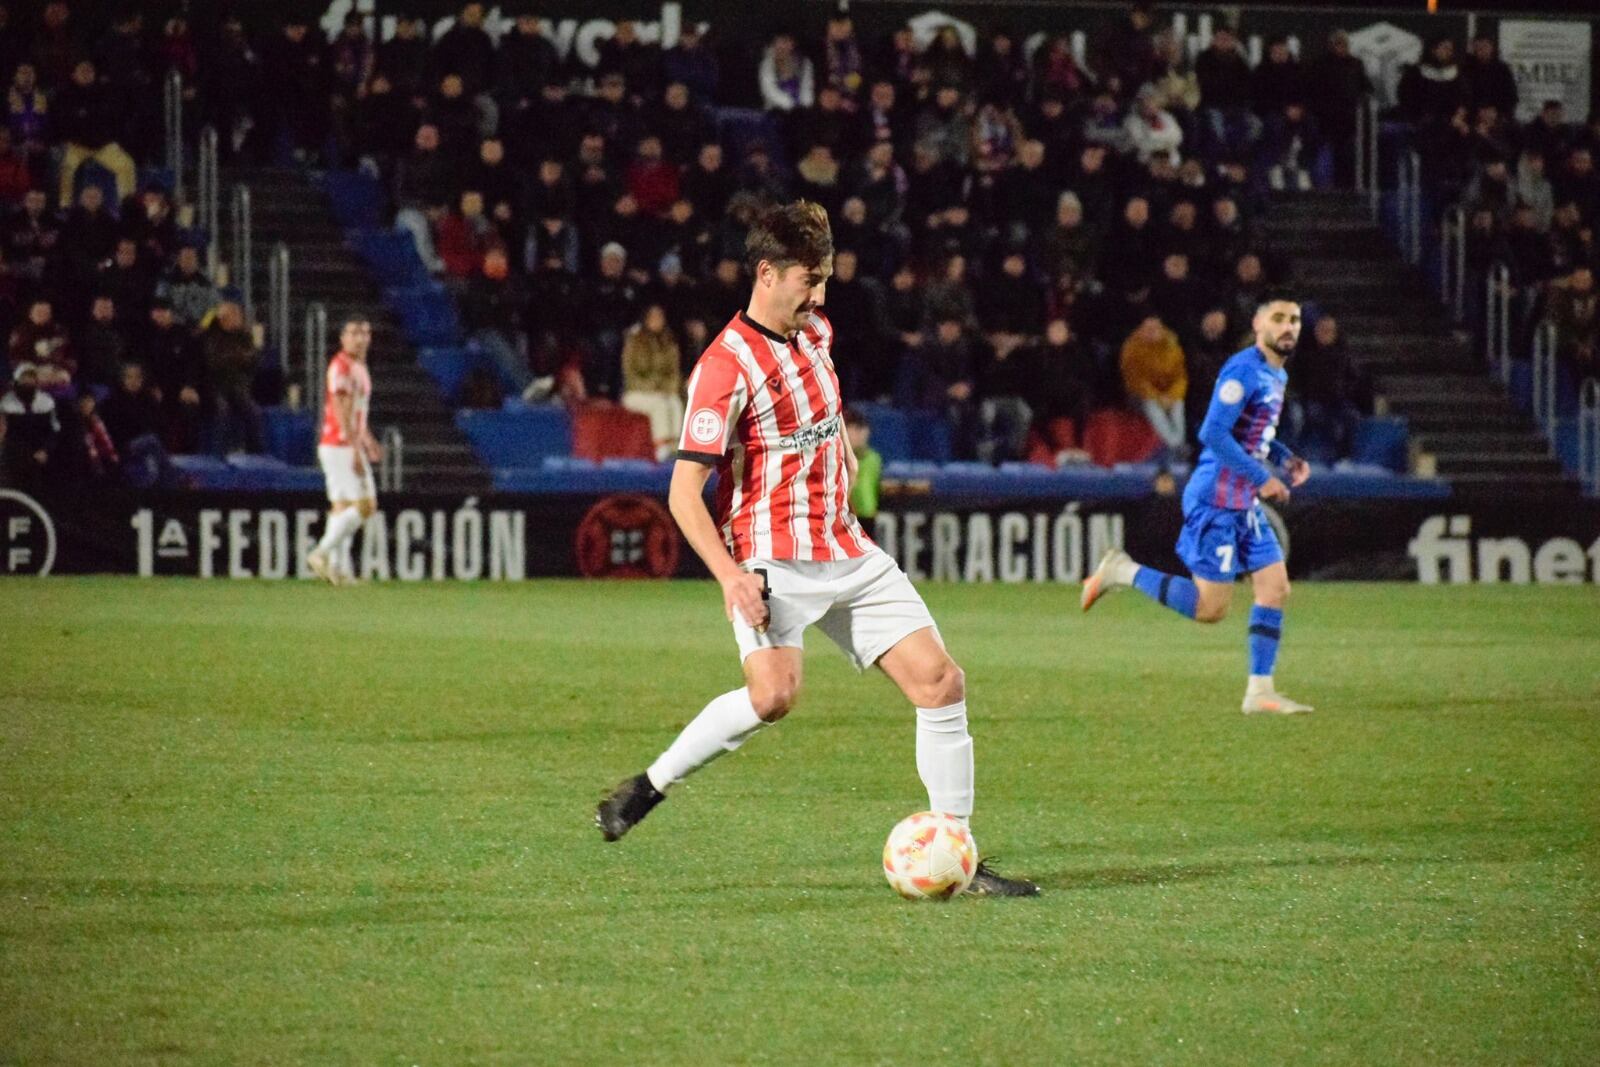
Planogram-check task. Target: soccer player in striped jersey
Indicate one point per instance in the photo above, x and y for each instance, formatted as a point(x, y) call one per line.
point(764, 413)
point(346, 451)
point(1224, 532)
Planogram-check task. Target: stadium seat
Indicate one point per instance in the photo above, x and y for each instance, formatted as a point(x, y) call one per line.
point(203, 472)
point(930, 439)
point(1115, 436)
point(290, 435)
point(891, 431)
point(1382, 440)
point(517, 438)
point(601, 432)
point(447, 366)
point(392, 257)
point(356, 199)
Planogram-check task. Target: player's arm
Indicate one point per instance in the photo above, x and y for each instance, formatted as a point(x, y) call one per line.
point(716, 398)
point(686, 500)
point(852, 466)
point(1282, 457)
point(1216, 433)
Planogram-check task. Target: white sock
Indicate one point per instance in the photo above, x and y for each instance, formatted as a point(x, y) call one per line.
point(1124, 571)
point(340, 528)
point(944, 759)
point(722, 726)
point(1259, 683)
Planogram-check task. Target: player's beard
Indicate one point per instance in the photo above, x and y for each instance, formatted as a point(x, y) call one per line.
point(1284, 351)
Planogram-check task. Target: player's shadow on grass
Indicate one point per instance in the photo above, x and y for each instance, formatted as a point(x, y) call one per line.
point(1168, 873)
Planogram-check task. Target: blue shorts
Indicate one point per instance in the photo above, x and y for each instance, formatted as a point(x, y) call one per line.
point(1219, 544)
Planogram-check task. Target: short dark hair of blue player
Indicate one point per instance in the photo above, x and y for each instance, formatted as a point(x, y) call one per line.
point(1276, 295)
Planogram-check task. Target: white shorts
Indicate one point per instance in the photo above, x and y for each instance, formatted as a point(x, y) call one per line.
point(344, 487)
point(866, 606)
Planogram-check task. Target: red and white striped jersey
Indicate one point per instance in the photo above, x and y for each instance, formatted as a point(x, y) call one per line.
point(345, 375)
point(765, 411)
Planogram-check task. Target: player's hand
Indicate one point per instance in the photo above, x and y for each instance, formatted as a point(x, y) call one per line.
point(1274, 489)
point(373, 450)
point(358, 464)
point(742, 593)
point(1299, 471)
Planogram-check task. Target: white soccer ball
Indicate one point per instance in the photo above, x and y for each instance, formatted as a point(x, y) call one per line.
point(930, 856)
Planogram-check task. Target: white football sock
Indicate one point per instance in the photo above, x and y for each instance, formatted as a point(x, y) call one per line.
point(944, 759)
point(1124, 571)
point(722, 726)
point(340, 528)
point(1259, 683)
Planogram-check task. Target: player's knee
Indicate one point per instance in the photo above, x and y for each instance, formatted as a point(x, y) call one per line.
point(1211, 611)
point(366, 507)
point(1273, 595)
point(941, 687)
point(774, 698)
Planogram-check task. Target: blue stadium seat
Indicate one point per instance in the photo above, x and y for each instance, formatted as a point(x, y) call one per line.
point(930, 439)
point(447, 365)
point(391, 256)
point(891, 431)
point(517, 438)
point(356, 199)
point(1382, 440)
point(203, 472)
point(291, 435)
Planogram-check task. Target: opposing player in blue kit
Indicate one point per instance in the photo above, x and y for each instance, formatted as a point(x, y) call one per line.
point(1224, 532)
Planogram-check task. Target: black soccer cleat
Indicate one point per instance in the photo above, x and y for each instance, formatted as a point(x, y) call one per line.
point(987, 883)
point(627, 804)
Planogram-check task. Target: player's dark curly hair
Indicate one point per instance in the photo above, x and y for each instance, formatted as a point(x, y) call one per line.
point(789, 234)
point(1274, 294)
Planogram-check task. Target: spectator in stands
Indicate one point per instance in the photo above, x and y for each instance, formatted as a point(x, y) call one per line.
point(88, 237)
point(55, 43)
point(639, 63)
point(295, 113)
point(1177, 295)
point(1001, 71)
point(842, 61)
point(1431, 89)
point(89, 455)
point(652, 181)
point(491, 312)
point(131, 411)
point(680, 124)
point(31, 428)
point(15, 177)
point(1069, 245)
point(1065, 388)
point(1212, 345)
point(692, 63)
point(172, 356)
point(86, 121)
point(1548, 133)
point(788, 79)
point(1152, 130)
point(1006, 377)
point(1337, 87)
point(1492, 188)
point(1533, 188)
point(855, 308)
point(462, 236)
point(1579, 183)
point(187, 289)
point(1289, 146)
point(28, 114)
point(1488, 78)
point(423, 180)
point(1328, 395)
point(230, 85)
point(611, 306)
point(652, 382)
point(525, 63)
point(403, 58)
point(1575, 313)
point(1155, 378)
point(1225, 95)
point(100, 345)
point(42, 343)
point(466, 49)
point(940, 374)
point(1011, 303)
point(232, 357)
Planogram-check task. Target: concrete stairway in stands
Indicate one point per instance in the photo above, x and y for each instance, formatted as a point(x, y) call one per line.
point(1423, 365)
point(288, 207)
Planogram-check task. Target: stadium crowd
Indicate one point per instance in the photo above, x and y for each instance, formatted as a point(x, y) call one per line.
point(1022, 241)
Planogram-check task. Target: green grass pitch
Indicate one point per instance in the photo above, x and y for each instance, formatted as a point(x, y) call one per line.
point(280, 823)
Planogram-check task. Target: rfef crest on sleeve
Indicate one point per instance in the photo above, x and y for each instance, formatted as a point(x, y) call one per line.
point(1232, 391)
point(705, 427)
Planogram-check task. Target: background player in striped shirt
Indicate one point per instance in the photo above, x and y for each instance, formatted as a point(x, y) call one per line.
point(764, 412)
point(1224, 532)
point(346, 451)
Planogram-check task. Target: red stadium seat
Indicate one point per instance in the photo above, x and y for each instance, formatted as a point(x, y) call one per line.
point(1048, 440)
point(1114, 436)
point(611, 433)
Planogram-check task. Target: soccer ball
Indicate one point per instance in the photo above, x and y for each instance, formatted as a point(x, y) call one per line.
point(930, 856)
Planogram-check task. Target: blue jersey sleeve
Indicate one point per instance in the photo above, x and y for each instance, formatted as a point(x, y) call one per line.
point(1216, 432)
point(1279, 453)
